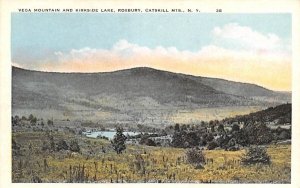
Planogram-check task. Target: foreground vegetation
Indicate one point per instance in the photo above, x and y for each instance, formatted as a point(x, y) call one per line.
point(96, 161)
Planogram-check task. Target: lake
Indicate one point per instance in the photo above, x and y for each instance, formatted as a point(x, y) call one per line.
point(109, 134)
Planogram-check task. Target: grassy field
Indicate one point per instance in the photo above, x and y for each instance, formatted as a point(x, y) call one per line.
point(207, 114)
point(97, 162)
point(143, 115)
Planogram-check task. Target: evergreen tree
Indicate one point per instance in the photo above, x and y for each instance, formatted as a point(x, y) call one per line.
point(118, 141)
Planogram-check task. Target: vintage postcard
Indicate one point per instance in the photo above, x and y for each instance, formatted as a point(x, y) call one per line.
point(150, 93)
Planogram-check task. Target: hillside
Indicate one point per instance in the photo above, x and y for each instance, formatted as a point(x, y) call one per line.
point(131, 95)
point(281, 114)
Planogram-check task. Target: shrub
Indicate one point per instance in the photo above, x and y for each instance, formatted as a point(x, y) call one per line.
point(45, 146)
point(15, 145)
point(74, 146)
point(147, 141)
point(62, 145)
point(256, 155)
point(15, 148)
point(284, 134)
point(49, 122)
point(195, 157)
point(212, 145)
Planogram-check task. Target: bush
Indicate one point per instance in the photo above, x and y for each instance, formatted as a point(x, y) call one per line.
point(15, 148)
point(74, 146)
point(62, 145)
point(49, 122)
point(256, 155)
point(195, 157)
point(147, 141)
point(212, 145)
point(45, 146)
point(284, 134)
point(15, 145)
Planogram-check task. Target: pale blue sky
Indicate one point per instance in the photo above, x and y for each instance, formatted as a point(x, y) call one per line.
point(36, 36)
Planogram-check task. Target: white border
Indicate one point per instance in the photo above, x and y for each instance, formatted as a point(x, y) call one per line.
point(230, 6)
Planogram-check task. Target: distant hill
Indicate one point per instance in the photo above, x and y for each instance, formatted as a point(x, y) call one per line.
point(281, 114)
point(130, 95)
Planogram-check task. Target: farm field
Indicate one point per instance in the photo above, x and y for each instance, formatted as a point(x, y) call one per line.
point(97, 162)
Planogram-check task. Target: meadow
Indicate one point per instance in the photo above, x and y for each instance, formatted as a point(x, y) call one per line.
point(98, 162)
point(150, 116)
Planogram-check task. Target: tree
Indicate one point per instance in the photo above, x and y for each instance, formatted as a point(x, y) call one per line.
point(178, 138)
point(33, 121)
point(221, 128)
point(192, 139)
point(235, 127)
point(242, 137)
point(49, 122)
point(212, 145)
point(258, 133)
point(30, 117)
point(74, 146)
point(118, 141)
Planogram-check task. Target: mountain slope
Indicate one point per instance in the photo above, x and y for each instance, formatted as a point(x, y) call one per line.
point(281, 114)
point(128, 93)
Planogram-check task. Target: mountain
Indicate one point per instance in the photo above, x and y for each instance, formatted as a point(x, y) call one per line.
point(132, 95)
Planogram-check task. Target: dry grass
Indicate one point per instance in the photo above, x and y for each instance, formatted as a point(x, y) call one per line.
point(141, 164)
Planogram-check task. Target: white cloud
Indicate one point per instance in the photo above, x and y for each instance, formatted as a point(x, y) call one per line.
point(230, 41)
point(124, 52)
point(235, 36)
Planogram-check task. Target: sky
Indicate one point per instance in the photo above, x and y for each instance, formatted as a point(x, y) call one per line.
point(251, 48)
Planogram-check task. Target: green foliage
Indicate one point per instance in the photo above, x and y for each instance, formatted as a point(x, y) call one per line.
point(118, 142)
point(256, 155)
